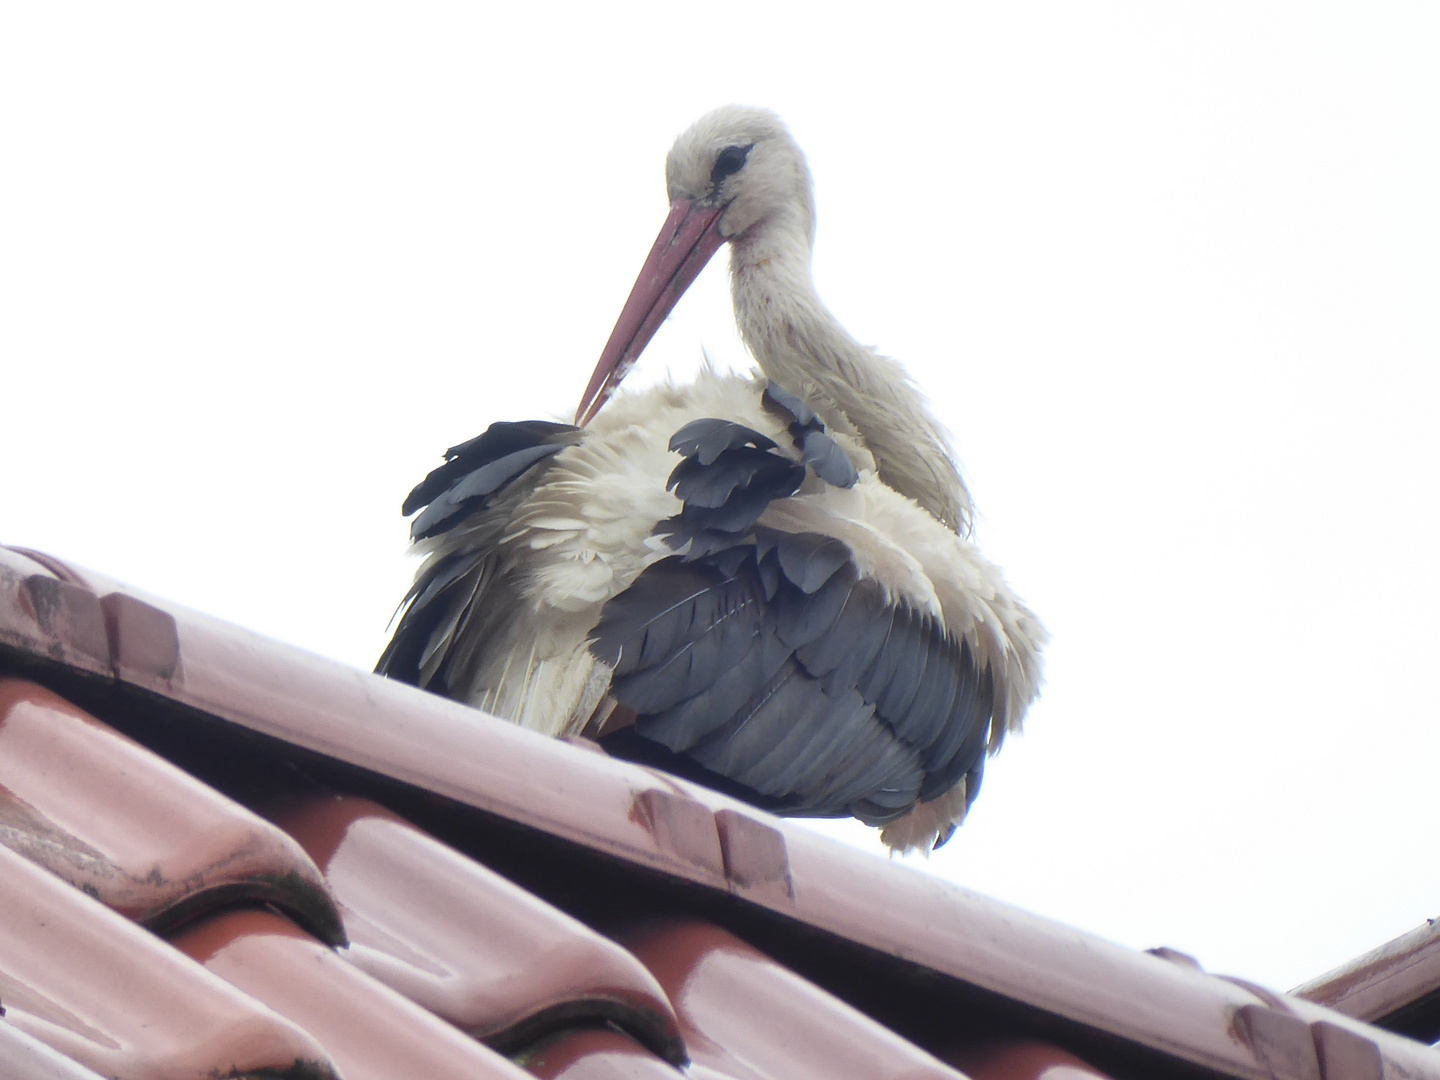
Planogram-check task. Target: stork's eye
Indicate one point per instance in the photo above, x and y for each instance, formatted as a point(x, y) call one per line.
point(730, 161)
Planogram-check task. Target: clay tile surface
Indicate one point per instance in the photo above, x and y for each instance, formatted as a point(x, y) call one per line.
point(48, 619)
point(459, 939)
point(372, 1032)
point(102, 991)
point(748, 1017)
point(1021, 1061)
point(29, 1059)
point(470, 879)
point(128, 827)
point(596, 1054)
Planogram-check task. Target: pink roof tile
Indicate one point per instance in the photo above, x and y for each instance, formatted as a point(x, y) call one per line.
point(596, 1054)
point(94, 986)
point(747, 1016)
point(131, 829)
point(470, 946)
point(1020, 1060)
point(372, 1032)
point(29, 1059)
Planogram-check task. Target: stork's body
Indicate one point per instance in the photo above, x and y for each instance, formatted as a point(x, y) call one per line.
point(770, 575)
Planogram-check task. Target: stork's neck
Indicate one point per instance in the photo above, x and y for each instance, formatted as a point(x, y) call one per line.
point(799, 345)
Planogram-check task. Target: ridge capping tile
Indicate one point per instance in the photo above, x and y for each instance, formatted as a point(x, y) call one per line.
point(1281, 1040)
point(1387, 979)
point(144, 641)
point(1154, 1002)
point(683, 829)
point(756, 859)
point(1343, 1055)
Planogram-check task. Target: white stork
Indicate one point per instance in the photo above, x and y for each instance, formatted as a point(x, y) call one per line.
point(764, 583)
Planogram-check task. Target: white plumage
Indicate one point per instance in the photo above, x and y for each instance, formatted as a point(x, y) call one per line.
point(770, 659)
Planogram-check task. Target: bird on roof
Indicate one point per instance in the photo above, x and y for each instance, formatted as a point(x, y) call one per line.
point(766, 584)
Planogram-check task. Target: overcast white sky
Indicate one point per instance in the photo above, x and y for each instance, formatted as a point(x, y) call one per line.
point(1170, 272)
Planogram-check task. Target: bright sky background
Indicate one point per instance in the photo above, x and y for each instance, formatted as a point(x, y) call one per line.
point(1170, 272)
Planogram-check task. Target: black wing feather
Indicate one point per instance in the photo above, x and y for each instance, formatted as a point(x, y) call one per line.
point(859, 628)
point(479, 484)
point(710, 485)
point(729, 475)
point(809, 559)
point(823, 454)
point(878, 782)
point(683, 655)
point(708, 438)
point(968, 734)
point(913, 656)
point(740, 748)
point(817, 449)
point(497, 441)
point(780, 400)
point(682, 727)
point(441, 603)
point(810, 747)
point(732, 502)
point(801, 619)
point(928, 713)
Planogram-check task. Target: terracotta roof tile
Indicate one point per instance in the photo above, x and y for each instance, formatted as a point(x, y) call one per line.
point(1020, 1061)
point(372, 1032)
point(29, 1059)
point(470, 946)
point(481, 876)
point(114, 997)
point(748, 1017)
point(597, 1054)
point(134, 831)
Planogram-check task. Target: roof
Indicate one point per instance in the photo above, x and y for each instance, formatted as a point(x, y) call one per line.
point(1396, 985)
point(223, 856)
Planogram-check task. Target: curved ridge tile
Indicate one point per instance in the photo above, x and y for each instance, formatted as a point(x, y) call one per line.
point(746, 1016)
point(372, 1032)
point(466, 943)
point(1388, 985)
point(100, 990)
point(134, 831)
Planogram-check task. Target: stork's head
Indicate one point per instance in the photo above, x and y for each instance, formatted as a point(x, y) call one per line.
point(743, 161)
point(734, 175)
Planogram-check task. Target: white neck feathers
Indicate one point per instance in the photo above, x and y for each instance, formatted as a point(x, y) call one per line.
point(799, 344)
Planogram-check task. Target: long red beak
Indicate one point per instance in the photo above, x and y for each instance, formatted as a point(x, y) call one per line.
point(690, 236)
